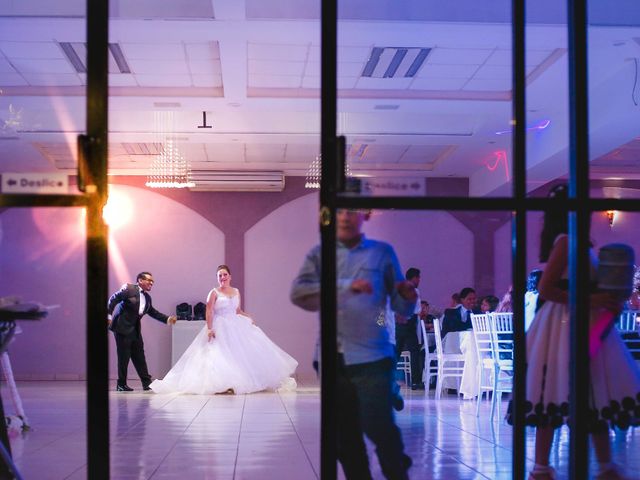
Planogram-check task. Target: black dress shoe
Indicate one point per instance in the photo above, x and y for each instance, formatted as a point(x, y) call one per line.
point(146, 388)
point(417, 386)
point(124, 388)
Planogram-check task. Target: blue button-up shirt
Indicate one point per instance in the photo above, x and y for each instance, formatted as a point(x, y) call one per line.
point(362, 334)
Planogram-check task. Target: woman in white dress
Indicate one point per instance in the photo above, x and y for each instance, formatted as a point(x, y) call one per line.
point(231, 354)
point(614, 398)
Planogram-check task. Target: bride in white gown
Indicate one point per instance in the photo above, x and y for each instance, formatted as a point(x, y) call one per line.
point(230, 354)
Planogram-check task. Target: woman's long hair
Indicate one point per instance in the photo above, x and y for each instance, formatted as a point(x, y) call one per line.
point(555, 222)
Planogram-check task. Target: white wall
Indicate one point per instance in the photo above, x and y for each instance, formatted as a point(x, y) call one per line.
point(274, 251)
point(435, 242)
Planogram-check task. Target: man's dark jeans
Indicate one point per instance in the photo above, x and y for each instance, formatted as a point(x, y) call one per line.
point(370, 386)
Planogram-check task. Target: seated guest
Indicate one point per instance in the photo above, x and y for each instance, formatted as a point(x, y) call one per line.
point(427, 319)
point(455, 300)
point(489, 304)
point(532, 300)
point(634, 299)
point(425, 316)
point(506, 304)
point(459, 318)
point(430, 342)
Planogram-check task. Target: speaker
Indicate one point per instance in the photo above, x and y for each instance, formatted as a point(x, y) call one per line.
point(183, 311)
point(200, 311)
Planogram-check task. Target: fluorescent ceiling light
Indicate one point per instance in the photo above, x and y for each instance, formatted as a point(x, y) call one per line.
point(395, 62)
point(76, 53)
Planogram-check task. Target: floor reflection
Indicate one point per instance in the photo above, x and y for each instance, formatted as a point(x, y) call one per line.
point(263, 436)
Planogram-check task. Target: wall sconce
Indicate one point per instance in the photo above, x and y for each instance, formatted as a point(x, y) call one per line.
point(611, 216)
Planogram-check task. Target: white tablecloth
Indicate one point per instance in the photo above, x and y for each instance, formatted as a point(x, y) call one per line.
point(463, 342)
point(182, 334)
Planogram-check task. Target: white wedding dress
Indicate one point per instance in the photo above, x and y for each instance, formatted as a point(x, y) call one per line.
point(240, 357)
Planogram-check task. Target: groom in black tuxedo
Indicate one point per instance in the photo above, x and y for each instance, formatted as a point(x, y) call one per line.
point(126, 307)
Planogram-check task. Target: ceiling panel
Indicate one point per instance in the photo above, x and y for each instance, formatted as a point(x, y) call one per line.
point(264, 152)
point(207, 80)
point(203, 51)
point(258, 82)
point(275, 81)
point(225, 152)
point(272, 67)
point(32, 50)
point(458, 56)
point(375, 153)
point(282, 52)
point(153, 51)
point(489, 84)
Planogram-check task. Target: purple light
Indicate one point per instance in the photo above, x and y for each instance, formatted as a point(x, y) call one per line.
point(539, 126)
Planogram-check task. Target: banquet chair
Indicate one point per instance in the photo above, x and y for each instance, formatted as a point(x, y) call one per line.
point(629, 330)
point(627, 321)
point(449, 364)
point(487, 367)
point(404, 365)
point(429, 370)
point(502, 345)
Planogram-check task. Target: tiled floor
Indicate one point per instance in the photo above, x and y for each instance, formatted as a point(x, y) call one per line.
point(259, 436)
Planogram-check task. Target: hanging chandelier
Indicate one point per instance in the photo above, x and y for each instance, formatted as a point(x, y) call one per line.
point(314, 172)
point(312, 179)
point(170, 168)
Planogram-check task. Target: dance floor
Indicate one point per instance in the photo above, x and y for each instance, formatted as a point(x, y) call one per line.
point(260, 436)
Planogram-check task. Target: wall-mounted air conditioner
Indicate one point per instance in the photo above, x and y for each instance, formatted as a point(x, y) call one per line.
point(237, 181)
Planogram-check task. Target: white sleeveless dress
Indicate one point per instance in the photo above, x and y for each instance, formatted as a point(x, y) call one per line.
point(240, 357)
point(614, 396)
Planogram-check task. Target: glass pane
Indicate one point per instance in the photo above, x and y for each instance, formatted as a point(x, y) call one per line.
point(43, 250)
point(614, 94)
point(466, 255)
point(229, 90)
point(425, 97)
point(42, 95)
point(613, 37)
point(547, 100)
point(42, 259)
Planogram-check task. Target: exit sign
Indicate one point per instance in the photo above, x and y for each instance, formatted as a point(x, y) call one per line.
point(35, 183)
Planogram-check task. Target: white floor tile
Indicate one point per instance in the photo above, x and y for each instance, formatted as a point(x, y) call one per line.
point(262, 436)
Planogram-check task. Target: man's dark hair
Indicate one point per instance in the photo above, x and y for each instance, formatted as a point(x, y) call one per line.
point(533, 279)
point(492, 301)
point(466, 291)
point(413, 272)
point(142, 275)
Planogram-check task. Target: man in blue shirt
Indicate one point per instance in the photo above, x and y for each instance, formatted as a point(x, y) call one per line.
point(368, 275)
